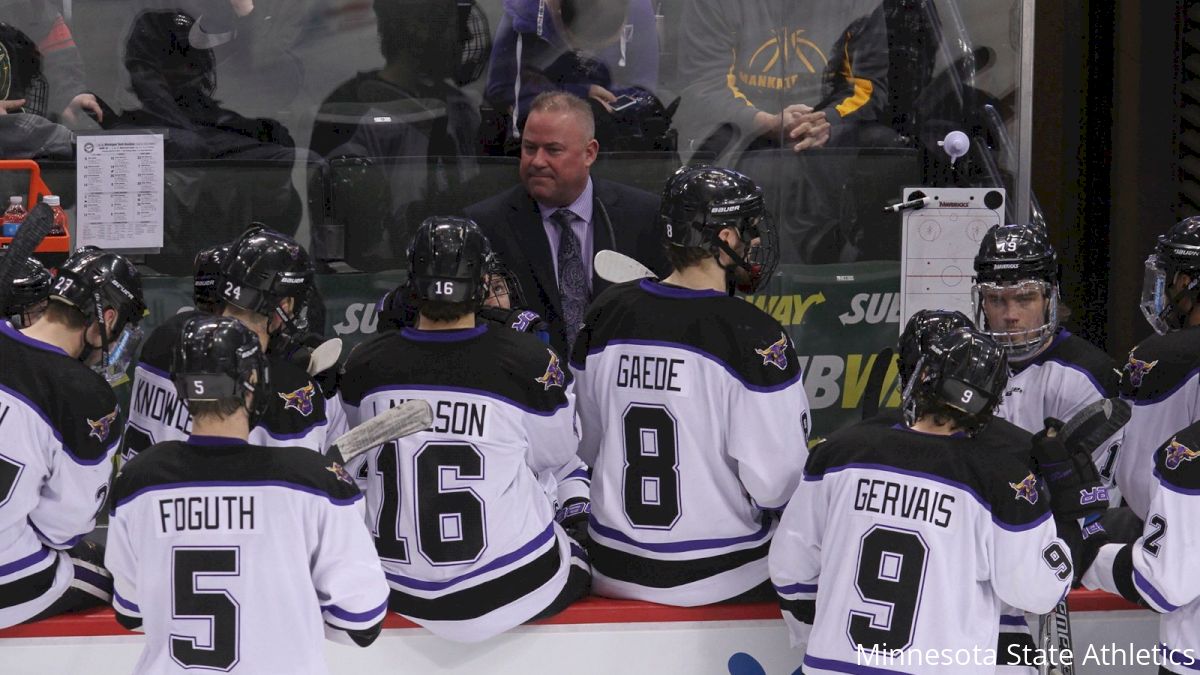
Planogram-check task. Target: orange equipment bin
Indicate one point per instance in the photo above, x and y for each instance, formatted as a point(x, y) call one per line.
point(53, 244)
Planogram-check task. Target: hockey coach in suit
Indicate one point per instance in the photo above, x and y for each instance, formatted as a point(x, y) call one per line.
point(549, 228)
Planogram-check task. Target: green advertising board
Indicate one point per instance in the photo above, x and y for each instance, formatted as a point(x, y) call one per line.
point(838, 316)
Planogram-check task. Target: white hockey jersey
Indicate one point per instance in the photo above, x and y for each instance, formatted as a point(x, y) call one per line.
point(1159, 569)
point(1068, 376)
point(695, 420)
point(463, 512)
point(58, 433)
point(299, 415)
point(1161, 380)
point(891, 531)
point(240, 558)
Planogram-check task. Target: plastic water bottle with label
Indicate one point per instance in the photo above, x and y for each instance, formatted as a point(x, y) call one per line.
point(14, 216)
point(61, 221)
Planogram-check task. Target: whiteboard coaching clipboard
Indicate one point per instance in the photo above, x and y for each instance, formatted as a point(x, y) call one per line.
point(938, 246)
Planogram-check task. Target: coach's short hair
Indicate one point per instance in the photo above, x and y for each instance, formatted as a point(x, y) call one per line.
point(566, 102)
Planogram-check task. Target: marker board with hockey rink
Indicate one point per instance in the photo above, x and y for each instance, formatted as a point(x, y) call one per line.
point(938, 245)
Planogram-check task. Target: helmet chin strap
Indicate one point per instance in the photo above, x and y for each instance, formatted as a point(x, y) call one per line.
point(730, 269)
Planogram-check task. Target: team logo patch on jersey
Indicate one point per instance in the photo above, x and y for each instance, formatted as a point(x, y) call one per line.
point(102, 426)
point(775, 354)
point(300, 400)
point(554, 376)
point(1136, 369)
point(1178, 453)
point(1026, 489)
point(524, 321)
point(340, 471)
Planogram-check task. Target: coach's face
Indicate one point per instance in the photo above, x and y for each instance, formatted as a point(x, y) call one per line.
point(556, 155)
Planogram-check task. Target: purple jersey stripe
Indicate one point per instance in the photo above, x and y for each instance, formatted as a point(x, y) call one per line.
point(503, 561)
point(241, 484)
point(24, 563)
point(358, 617)
point(796, 588)
point(1150, 591)
point(703, 354)
point(122, 603)
point(679, 546)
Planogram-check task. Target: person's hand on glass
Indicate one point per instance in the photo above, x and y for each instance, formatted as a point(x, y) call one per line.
point(11, 105)
point(82, 103)
point(242, 7)
point(806, 128)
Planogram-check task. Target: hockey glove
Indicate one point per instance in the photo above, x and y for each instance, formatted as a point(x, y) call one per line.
point(573, 516)
point(1076, 491)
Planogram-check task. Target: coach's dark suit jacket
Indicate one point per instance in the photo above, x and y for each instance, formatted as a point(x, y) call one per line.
point(513, 225)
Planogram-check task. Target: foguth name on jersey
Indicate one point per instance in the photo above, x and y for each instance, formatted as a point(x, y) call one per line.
point(648, 372)
point(162, 406)
point(905, 501)
point(228, 513)
point(450, 417)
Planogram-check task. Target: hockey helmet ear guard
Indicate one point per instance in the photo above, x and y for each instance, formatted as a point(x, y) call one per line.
point(446, 260)
point(1014, 261)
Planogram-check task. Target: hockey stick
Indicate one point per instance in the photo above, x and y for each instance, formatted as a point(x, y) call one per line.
point(1092, 425)
point(404, 420)
point(38, 223)
point(874, 390)
point(619, 268)
point(324, 356)
point(1056, 635)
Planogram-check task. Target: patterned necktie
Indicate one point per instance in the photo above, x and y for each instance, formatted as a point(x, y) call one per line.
point(572, 282)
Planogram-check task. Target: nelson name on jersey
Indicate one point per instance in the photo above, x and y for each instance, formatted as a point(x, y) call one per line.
point(449, 417)
point(904, 501)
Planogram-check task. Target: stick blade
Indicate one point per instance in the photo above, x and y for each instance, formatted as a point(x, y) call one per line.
point(1095, 423)
point(403, 420)
point(618, 268)
point(37, 224)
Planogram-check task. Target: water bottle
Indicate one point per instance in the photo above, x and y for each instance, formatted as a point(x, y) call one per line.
point(14, 216)
point(61, 221)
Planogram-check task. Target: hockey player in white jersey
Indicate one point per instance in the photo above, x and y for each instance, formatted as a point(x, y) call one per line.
point(1161, 378)
point(464, 513)
point(30, 292)
point(265, 280)
point(693, 411)
point(870, 555)
point(155, 413)
point(1159, 569)
point(1053, 373)
point(59, 429)
point(236, 557)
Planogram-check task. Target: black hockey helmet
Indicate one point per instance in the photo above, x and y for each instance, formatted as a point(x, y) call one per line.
point(264, 267)
point(923, 329)
point(30, 291)
point(1175, 252)
point(206, 277)
point(964, 371)
point(94, 281)
point(446, 260)
point(699, 202)
point(21, 71)
point(219, 358)
point(1015, 260)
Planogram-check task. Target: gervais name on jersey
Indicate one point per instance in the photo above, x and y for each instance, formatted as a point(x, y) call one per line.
point(207, 513)
point(905, 501)
point(656, 373)
point(449, 417)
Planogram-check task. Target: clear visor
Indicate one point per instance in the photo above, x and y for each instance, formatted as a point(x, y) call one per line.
point(1154, 303)
point(1021, 317)
point(115, 364)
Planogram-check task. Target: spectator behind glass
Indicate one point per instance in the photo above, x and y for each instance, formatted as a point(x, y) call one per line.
point(755, 100)
point(25, 133)
point(415, 90)
point(68, 102)
point(597, 50)
point(745, 89)
point(175, 82)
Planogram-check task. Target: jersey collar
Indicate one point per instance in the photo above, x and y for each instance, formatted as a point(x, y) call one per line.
point(214, 440)
point(418, 335)
point(669, 291)
point(1059, 335)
